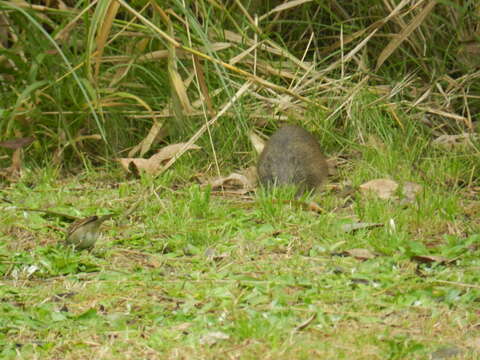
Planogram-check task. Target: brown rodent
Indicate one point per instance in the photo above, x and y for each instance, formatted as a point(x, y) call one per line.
point(292, 156)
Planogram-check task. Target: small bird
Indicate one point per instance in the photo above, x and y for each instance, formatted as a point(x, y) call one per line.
point(83, 233)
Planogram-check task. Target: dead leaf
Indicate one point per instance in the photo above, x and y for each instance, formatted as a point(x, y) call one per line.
point(212, 255)
point(410, 190)
point(430, 259)
point(359, 254)
point(213, 337)
point(313, 206)
point(358, 226)
point(245, 179)
point(13, 172)
point(257, 142)
point(154, 163)
point(103, 32)
point(169, 151)
point(134, 165)
point(17, 143)
point(446, 352)
point(251, 174)
point(183, 327)
point(383, 188)
point(14, 169)
point(232, 181)
point(306, 323)
point(474, 343)
point(145, 145)
point(199, 70)
point(456, 141)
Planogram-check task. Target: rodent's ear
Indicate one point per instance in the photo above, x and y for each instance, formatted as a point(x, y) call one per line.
point(257, 142)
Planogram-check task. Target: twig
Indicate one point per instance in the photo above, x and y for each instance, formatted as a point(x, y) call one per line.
point(46, 211)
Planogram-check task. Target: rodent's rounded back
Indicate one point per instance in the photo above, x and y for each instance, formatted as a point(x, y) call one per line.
point(292, 156)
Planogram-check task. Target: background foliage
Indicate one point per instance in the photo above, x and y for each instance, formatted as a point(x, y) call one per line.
point(92, 77)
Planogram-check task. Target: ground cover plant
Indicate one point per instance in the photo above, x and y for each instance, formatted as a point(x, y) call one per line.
point(143, 109)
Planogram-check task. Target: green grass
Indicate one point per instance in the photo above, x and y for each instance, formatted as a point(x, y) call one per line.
point(189, 263)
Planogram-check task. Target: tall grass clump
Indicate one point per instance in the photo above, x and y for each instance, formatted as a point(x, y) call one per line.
point(91, 80)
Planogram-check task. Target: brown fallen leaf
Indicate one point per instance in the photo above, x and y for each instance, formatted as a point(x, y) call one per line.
point(134, 165)
point(383, 188)
point(212, 255)
point(251, 174)
point(245, 179)
point(169, 151)
point(306, 323)
point(474, 343)
point(13, 172)
point(410, 191)
point(257, 142)
point(213, 337)
point(430, 259)
point(183, 327)
point(359, 254)
point(313, 206)
point(16, 166)
point(232, 181)
point(455, 141)
point(155, 133)
point(446, 352)
point(17, 143)
point(153, 164)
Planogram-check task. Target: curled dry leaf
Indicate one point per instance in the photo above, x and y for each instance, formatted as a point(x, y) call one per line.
point(134, 165)
point(474, 343)
point(257, 142)
point(13, 172)
point(455, 141)
point(155, 133)
point(251, 174)
point(446, 352)
point(306, 323)
point(410, 190)
point(213, 337)
point(17, 143)
point(245, 180)
point(313, 206)
point(232, 181)
point(16, 166)
point(430, 259)
point(182, 327)
point(212, 255)
point(386, 189)
point(359, 254)
point(383, 188)
point(153, 164)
